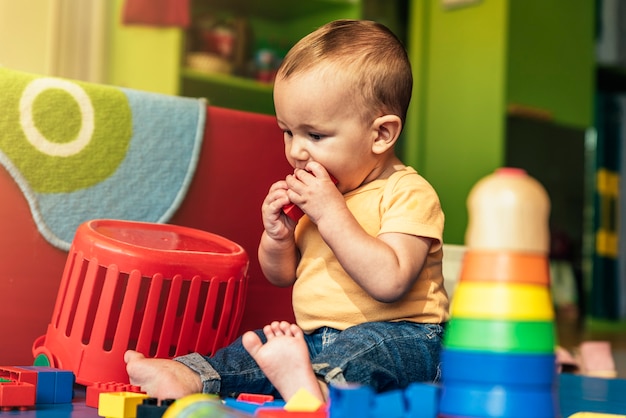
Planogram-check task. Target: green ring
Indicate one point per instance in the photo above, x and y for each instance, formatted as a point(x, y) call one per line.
point(500, 335)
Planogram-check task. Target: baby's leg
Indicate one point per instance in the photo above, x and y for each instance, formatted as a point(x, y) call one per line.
point(284, 359)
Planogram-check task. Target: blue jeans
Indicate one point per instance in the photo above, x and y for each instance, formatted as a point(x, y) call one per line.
point(382, 355)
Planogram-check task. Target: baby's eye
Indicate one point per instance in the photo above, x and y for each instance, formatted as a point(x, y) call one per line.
point(316, 137)
point(288, 133)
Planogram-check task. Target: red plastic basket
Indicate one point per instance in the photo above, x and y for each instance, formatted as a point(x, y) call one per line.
point(160, 289)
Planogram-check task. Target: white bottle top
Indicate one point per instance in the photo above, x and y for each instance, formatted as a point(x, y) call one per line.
point(508, 210)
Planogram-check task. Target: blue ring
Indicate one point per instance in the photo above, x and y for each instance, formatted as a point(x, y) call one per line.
point(498, 368)
point(497, 401)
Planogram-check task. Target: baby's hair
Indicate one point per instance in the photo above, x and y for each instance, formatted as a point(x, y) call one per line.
point(369, 57)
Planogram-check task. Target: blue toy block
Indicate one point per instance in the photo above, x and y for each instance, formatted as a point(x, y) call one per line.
point(252, 407)
point(417, 400)
point(348, 401)
point(53, 385)
point(389, 405)
point(422, 400)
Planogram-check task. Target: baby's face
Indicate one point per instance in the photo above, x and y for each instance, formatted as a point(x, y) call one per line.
point(323, 123)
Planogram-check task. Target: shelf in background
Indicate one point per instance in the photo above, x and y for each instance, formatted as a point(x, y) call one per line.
point(229, 91)
point(228, 80)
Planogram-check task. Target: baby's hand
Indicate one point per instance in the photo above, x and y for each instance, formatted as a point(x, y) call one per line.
point(294, 212)
point(161, 378)
point(310, 189)
point(277, 225)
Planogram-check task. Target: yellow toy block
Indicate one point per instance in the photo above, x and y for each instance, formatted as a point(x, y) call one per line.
point(303, 401)
point(119, 404)
point(595, 415)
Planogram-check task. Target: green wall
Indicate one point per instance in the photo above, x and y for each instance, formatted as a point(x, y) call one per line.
point(551, 58)
point(459, 58)
point(470, 65)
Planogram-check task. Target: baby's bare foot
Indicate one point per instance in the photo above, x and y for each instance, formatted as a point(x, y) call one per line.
point(284, 359)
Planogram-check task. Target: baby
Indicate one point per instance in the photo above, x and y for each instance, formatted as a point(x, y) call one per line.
point(364, 261)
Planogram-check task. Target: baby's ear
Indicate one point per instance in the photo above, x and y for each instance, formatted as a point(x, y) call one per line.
point(388, 128)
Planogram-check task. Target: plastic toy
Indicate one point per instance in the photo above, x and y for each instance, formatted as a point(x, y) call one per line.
point(16, 395)
point(18, 374)
point(303, 401)
point(164, 290)
point(498, 356)
point(93, 392)
point(53, 385)
point(119, 404)
point(497, 300)
point(251, 404)
point(254, 398)
point(153, 408)
point(417, 400)
point(282, 413)
point(201, 405)
point(294, 212)
point(18, 388)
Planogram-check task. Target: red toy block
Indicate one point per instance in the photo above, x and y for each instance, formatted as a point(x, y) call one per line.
point(14, 394)
point(18, 374)
point(280, 412)
point(254, 398)
point(93, 392)
point(294, 212)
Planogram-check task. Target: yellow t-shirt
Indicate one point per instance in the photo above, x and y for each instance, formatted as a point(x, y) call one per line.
point(325, 295)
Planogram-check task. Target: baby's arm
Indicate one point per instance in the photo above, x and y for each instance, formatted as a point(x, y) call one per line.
point(277, 252)
point(161, 378)
point(386, 266)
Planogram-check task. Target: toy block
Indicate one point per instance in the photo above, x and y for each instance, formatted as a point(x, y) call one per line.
point(281, 412)
point(303, 401)
point(153, 408)
point(389, 404)
point(595, 415)
point(119, 404)
point(347, 401)
point(250, 402)
point(422, 400)
point(16, 395)
point(294, 212)
point(53, 385)
point(18, 374)
point(93, 392)
point(254, 398)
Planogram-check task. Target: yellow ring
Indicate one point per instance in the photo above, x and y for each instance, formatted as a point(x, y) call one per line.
point(497, 300)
